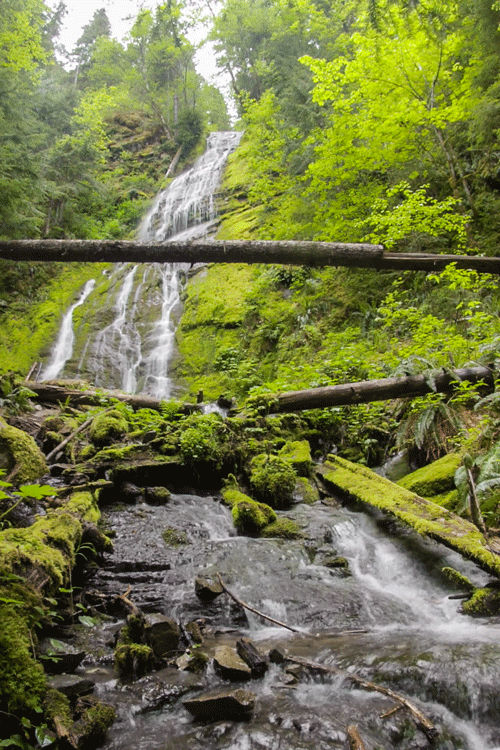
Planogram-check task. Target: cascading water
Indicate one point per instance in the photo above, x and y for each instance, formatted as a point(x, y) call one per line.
point(133, 347)
point(63, 348)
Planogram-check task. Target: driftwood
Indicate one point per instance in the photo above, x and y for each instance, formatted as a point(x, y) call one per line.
point(251, 655)
point(379, 390)
point(431, 731)
point(314, 398)
point(255, 611)
point(302, 253)
point(355, 741)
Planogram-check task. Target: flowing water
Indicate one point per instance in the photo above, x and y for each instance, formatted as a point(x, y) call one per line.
point(415, 639)
point(132, 325)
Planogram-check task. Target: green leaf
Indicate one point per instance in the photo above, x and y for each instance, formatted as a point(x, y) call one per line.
point(89, 622)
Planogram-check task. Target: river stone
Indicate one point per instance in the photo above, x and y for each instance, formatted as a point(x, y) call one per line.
point(60, 657)
point(157, 495)
point(222, 704)
point(229, 665)
point(72, 685)
point(162, 634)
point(206, 589)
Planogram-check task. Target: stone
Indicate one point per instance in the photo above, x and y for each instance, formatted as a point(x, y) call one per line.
point(71, 685)
point(162, 634)
point(59, 657)
point(157, 495)
point(229, 665)
point(222, 704)
point(207, 589)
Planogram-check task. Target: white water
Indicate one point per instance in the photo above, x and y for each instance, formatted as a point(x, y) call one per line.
point(134, 351)
point(63, 348)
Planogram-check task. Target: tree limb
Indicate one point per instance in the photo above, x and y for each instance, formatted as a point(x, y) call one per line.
point(255, 611)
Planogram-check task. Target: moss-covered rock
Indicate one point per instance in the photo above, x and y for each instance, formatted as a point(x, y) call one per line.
point(20, 456)
point(305, 491)
point(434, 479)
point(133, 660)
point(107, 427)
point(250, 517)
point(282, 528)
point(483, 603)
point(174, 537)
point(298, 454)
point(273, 480)
point(95, 719)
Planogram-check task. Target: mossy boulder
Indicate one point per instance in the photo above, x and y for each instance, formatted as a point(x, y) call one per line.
point(250, 517)
point(298, 454)
point(483, 602)
point(305, 491)
point(282, 528)
point(19, 455)
point(273, 480)
point(107, 427)
point(434, 479)
point(133, 660)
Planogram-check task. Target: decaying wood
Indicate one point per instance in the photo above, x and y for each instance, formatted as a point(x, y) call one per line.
point(251, 655)
point(431, 731)
point(382, 389)
point(55, 394)
point(355, 741)
point(294, 252)
point(255, 611)
point(344, 394)
point(82, 427)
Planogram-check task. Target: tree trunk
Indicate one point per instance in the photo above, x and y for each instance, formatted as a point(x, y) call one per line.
point(315, 254)
point(378, 390)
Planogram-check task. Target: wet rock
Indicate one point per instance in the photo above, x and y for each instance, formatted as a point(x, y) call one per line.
point(72, 686)
point(133, 660)
point(222, 704)
point(162, 634)
point(148, 436)
point(157, 495)
point(193, 631)
point(229, 665)
point(194, 660)
point(335, 562)
point(59, 657)
point(276, 656)
point(130, 493)
point(89, 731)
point(207, 589)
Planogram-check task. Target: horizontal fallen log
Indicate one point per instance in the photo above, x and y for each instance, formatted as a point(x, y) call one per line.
point(344, 394)
point(293, 252)
point(382, 389)
point(358, 482)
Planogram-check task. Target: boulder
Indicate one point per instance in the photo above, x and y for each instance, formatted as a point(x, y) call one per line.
point(206, 589)
point(229, 665)
point(20, 456)
point(162, 634)
point(71, 685)
point(222, 704)
point(157, 495)
point(59, 657)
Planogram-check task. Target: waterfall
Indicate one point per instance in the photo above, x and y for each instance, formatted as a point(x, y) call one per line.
point(134, 347)
point(63, 348)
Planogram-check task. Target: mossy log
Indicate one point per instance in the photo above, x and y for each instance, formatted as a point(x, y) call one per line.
point(293, 252)
point(358, 482)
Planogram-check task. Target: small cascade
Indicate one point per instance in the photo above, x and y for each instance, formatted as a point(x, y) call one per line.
point(134, 346)
point(63, 348)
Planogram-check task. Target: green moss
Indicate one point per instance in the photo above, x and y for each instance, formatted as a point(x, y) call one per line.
point(447, 500)
point(57, 709)
point(107, 427)
point(483, 602)
point(174, 537)
point(273, 479)
point(20, 454)
point(461, 581)
point(434, 479)
point(306, 491)
point(133, 660)
point(283, 528)
point(298, 454)
point(84, 505)
point(426, 517)
point(250, 517)
point(231, 496)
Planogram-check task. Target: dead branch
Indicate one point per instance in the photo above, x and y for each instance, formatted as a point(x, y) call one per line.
point(73, 434)
point(255, 611)
point(421, 720)
point(355, 741)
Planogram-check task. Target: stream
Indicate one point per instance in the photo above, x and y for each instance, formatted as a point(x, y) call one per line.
point(416, 641)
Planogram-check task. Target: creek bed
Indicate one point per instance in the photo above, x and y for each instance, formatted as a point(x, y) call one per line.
point(416, 642)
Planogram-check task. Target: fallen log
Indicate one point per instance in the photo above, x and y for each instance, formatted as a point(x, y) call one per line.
point(364, 391)
point(344, 478)
point(345, 394)
point(293, 252)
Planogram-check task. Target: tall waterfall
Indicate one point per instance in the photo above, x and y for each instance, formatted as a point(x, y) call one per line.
point(134, 341)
